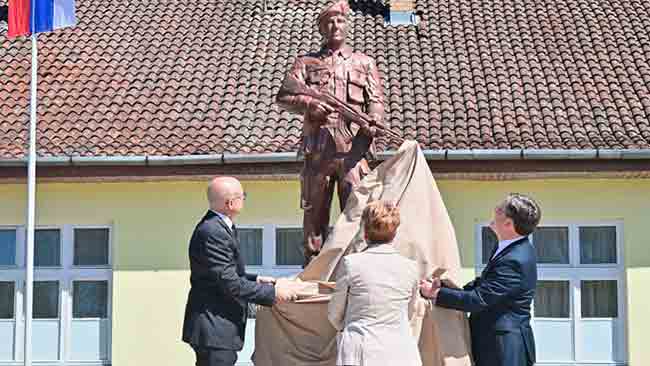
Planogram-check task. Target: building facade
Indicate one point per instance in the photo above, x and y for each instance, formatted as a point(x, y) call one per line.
point(143, 101)
point(112, 270)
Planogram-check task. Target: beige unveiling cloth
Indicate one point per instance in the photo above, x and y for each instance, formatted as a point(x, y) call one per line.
point(299, 334)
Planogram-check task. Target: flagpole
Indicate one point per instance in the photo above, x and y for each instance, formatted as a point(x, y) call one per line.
point(31, 207)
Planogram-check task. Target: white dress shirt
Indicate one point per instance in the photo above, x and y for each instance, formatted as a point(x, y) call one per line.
point(503, 244)
point(225, 219)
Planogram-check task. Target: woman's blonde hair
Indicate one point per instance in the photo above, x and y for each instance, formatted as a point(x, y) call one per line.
point(380, 221)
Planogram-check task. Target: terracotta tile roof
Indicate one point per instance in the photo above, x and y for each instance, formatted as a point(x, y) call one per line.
point(182, 77)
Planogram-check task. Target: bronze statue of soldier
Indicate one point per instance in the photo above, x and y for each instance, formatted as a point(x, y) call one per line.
point(334, 146)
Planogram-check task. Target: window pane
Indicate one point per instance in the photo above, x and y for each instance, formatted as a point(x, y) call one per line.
point(47, 248)
point(90, 247)
point(7, 300)
point(289, 247)
point(7, 247)
point(552, 299)
point(599, 299)
point(46, 300)
point(598, 244)
point(552, 245)
point(89, 339)
point(90, 299)
point(489, 242)
point(250, 245)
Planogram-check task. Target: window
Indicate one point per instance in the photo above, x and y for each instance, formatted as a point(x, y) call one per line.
point(46, 300)
point(578, 315)
point(7, 247)
point(7, 300)
point(47, 248)
point(250, 245)
point(402, 12)
point(7, 323)
point(552, 245)
point(269, 250)
point(89, 330)
point(90, 299)
point(599, 299)
point(91, 247)
point(552, 300)
point(598, 245)
point(71, 295)
point(403, 18)
point(289, 247)
point(489, 242)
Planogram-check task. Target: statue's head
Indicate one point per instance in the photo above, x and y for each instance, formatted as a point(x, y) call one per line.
point(333, 22)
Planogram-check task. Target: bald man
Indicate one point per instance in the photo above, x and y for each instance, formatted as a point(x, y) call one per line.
point(217, 305)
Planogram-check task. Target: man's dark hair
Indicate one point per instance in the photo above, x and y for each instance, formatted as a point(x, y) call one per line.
point(524, 212)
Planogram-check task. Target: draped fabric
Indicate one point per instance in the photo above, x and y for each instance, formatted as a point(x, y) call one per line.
point(299, 334)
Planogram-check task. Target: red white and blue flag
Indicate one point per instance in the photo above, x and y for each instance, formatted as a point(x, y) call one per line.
point(36, 16)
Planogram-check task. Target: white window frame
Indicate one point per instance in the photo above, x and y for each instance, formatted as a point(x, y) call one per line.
point(269, 250)
point(574, 272)
point(65, 274)
point(283, 267)
point(268, 268)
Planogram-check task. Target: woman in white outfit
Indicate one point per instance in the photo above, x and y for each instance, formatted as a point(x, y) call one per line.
point(371, 301)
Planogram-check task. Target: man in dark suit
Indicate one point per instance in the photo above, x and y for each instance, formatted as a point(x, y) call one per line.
point(500, 299)
point(217, 305)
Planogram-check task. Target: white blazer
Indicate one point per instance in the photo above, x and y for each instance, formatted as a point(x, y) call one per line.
point(370, 308)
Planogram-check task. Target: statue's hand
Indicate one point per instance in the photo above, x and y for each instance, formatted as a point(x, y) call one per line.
point(372, 131)
point(319, 110)
point(375, 119)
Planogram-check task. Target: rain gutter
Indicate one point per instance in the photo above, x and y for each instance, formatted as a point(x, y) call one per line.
point(227, 158)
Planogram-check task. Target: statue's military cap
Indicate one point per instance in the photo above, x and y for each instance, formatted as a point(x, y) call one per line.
point(337, 7)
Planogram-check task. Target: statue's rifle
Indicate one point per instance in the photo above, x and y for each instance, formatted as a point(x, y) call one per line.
point(295, 86)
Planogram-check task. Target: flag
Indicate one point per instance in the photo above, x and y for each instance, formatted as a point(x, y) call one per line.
point(37, 16)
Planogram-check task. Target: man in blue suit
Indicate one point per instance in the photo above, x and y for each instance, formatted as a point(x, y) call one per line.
point(500, 299)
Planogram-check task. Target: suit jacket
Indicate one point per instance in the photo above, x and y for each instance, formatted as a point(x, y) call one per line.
point(499, 302)
point(370, 308)
point(217, 305)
